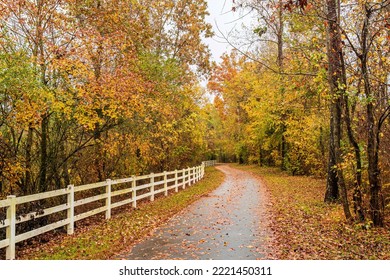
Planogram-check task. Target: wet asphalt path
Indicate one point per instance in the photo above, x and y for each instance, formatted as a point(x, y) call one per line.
point(225, 225)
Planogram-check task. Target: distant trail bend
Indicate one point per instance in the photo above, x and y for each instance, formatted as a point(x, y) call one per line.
point(228, 224)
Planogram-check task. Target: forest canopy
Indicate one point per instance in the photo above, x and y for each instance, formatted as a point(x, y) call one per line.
point(91, 90)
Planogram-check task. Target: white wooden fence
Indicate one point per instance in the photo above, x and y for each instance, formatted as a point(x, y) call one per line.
point(150, 185)
point(209, 163)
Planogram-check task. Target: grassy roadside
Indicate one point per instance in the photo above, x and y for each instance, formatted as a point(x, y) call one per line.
point(107, 239)
point(307, 228)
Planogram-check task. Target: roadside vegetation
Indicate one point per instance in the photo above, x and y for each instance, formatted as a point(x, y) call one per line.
point(307, 228)
point(314, 101)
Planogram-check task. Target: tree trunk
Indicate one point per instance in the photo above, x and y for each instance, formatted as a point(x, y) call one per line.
point(334, 70)
point(336, 89)
point(357, 194)
point(357, 190)
point(280, 29)
point(44, 156)
point(376, 197)
point(28, 178)
point(332, 189)
point(340, 175)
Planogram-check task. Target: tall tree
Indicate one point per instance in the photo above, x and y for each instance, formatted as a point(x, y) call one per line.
point(369, 34)
point(115, 88)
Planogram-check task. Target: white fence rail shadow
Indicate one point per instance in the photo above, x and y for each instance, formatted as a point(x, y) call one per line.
point(113, 193)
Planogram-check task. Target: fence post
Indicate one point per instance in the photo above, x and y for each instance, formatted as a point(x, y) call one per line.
point(183, 180)
point(11, 229)
point(176, 182)
point(195, 174)
point(134, 192)
point(70, 211)
point(202, 169)
point(108, 199)
point(189, 176)
point(152, 187)
point(165, 184)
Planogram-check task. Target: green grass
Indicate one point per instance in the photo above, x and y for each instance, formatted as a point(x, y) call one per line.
point(307, 228)
point(107, 239)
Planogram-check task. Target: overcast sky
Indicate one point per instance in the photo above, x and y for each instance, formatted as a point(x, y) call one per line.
point(221, 15)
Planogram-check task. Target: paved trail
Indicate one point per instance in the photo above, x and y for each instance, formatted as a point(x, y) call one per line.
point(227, 224)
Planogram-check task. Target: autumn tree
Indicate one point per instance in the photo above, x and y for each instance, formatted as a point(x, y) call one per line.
point(321, 46)
point(372, 21)
point(109, 90)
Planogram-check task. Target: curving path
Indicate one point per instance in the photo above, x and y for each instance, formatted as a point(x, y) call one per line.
point(229, 223)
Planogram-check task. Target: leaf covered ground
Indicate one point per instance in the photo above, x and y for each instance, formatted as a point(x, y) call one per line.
point(307, 228)
point(108, 238)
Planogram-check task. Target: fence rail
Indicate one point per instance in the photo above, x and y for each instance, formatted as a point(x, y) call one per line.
point(209, 163)
point(150, 185)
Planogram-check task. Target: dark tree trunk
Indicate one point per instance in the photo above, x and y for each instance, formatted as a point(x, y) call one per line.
point(280, 29)
point(260, 155)
point(376, 197)
point(357, 190)
point(335, 181)
point(44, 156)
point(373, 142)
point(340, 175)
point(332, 189)
point(334, 71)
point(28, 178)
point(357, 193)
